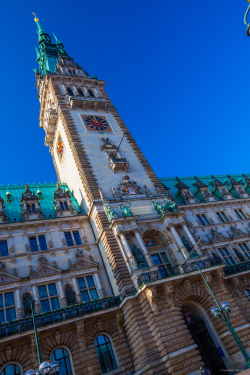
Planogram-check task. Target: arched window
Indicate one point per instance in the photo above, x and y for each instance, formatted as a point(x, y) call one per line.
point(66, 205)
point(33, 208)
point(28, 208)
point(74, 73)
point(70, 92)
point(61, 204)
point(11, 370)
point(105, 353)
point(70, 72)
point(80, 92)
point(62, 356)
point(91, 93)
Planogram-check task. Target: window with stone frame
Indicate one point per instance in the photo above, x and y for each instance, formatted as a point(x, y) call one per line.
point(62, 356)
point(80, 92)
point(105, 354)
point(91, 93)
point(64, 205)
point(7, 307)
point(87, 288)
point(69, 91)
point(48, 297)
point(38, 243)
point(160, 259)
point(245, 249)
point(73, 238)
point(222, 217)
point(227, 257)
point(4, 248)
point(202, 219)
point(240, 215)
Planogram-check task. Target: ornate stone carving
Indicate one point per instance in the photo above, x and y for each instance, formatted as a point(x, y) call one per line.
point(151, 295)
point(58, 337)
point(129, 188)
point(188, 287)
point(80, 335)
point(185, 191)
point(120, 323)
point(42, 260)
point(133, 264)
point(169, 291)
point(30, 205)
point(63, 203)
point(2, 266)
point(8, 353)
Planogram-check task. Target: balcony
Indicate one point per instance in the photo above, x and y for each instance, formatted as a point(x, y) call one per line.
point(57, 316)
point(238, 268)
point(88, 102)
point(150, 276)
point(117, 164)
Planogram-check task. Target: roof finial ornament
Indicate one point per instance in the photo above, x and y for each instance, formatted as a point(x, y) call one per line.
point(35, 18)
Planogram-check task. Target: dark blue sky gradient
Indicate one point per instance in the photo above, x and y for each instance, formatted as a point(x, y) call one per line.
point(177, 71)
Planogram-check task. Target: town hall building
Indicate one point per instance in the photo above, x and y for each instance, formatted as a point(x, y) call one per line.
point(114, 256)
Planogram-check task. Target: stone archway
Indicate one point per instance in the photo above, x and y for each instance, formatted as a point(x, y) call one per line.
point(205, 337)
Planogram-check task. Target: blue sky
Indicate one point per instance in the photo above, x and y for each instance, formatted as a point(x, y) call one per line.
point(178, 72)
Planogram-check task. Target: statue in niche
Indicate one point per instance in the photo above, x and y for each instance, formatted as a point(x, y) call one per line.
point(126, 211)
point(70, 296)
point(138, 256)
point(186, 243)
point(27, 300)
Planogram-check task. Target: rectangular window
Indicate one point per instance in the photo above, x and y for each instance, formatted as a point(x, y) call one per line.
point(245, 249)
point(163, 264)
point(38, 243)
point(73, 240)
point(42, 242)
point(33, 244)
point(224, 253)
point(69, 239)
point(4, 248)
point(87, 288)
point(240, 214)
point(202, 219)
point(48, 297)
point(222, 217)
point(77, 238)
point(7, 307)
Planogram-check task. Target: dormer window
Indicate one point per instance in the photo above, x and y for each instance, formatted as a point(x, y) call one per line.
point(30, 205)
point(91, 93)
point(63, 203)
point(69, 71)
point(80, 92)
point(70, 92)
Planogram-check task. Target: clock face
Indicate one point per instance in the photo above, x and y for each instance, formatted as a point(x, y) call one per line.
point(96, 123)
point(59, 147)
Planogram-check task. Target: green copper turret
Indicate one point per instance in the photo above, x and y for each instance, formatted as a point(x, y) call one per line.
point(48, 52)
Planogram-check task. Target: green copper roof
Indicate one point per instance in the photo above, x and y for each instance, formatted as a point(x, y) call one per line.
point(13, 210)
point(170, 182)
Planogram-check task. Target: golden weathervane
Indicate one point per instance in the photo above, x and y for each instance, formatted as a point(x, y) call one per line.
point(37, 19)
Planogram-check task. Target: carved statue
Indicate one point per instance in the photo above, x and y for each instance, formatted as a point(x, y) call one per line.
point(138, 256)
point(126, 211)
point(171, 206)
point(70, 295)
point(111, 214)
point(26, 303)
point(2, 266)
point(186, 243)
point(159, 208)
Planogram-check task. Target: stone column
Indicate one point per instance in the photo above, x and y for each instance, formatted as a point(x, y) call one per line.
point(77, 290)
point(61, 292)
point(184, 253)
point(99, 286)
point(19, 304)
point(191, 239)
point(36, 299)
point(146, 254)
point(129, 255)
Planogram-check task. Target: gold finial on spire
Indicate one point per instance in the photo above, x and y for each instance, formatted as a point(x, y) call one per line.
point(248, 1)
point(37, 19)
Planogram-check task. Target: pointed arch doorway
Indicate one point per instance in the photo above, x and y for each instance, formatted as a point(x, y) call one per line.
point(205, 337)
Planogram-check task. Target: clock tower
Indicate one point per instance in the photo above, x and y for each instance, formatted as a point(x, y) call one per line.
point(95, 154)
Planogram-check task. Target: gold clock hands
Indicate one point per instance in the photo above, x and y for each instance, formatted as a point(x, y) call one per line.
point(95, 120)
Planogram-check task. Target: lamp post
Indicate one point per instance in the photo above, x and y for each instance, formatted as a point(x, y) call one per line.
point(245, 19)
point(44, 367)
point(223, 310)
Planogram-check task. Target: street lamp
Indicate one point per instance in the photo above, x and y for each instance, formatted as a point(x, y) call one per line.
point(44, 367)
point(223, 310)
point(245, 19)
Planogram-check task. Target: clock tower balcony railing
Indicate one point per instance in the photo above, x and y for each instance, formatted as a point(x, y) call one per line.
point(88, 102)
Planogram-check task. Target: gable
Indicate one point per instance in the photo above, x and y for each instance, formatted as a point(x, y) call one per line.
point(82, 263)
point(44, 270)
